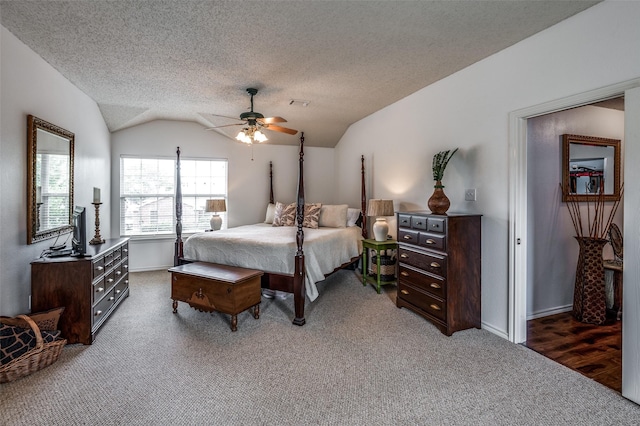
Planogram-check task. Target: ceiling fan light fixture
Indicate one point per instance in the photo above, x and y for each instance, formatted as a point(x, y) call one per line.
point(250, 135)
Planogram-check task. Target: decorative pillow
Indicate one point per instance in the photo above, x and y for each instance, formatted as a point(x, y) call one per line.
point(333, 216)
point(352, 216)
point(311, 215)
point(16, 341)
point(47, 320)
point(285, 215)
point(271, 211)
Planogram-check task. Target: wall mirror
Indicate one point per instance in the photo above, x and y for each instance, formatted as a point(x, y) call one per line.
point(590, 167)
point(49, 180)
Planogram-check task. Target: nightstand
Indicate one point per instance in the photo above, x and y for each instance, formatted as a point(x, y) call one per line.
point(382, 270)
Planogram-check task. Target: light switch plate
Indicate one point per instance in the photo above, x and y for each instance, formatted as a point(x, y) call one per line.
point(470, 194)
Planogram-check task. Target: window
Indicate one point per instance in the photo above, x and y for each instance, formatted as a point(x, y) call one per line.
point(147, 194)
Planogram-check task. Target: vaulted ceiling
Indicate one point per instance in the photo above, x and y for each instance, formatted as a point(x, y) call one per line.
point(193, 60)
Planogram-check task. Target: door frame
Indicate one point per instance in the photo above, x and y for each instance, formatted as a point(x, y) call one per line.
point(517, 321)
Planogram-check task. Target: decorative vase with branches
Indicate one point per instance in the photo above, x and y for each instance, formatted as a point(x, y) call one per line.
point(438, 202)
point(589, 299)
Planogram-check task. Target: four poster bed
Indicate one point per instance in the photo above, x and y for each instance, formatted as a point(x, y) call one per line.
point(293, 258)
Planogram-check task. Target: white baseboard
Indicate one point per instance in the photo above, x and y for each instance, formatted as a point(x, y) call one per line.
point(552, 311)
point(493, 330)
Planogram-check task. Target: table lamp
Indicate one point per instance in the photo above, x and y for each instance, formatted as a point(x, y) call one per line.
point(380, 208)
point(216, 206)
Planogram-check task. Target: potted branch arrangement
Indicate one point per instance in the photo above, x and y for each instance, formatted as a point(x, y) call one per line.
point(439, 203)
point(589, 299)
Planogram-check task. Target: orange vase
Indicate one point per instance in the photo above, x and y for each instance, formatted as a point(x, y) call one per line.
point(438, 203)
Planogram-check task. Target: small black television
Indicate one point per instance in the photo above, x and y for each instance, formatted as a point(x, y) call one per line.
point(79, 241)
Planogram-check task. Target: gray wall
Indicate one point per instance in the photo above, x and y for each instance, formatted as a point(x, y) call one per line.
point(29, 85)
point(470, 110)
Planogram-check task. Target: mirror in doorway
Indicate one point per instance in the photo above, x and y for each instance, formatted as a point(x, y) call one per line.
point(49, 180)
point(590, 168)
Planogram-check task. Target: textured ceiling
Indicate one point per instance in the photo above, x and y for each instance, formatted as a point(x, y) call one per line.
point(187, 60)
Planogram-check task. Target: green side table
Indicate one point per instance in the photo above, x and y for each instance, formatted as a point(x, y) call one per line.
point(384, 256)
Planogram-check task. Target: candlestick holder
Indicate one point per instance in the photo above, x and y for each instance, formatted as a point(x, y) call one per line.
point(97, 239)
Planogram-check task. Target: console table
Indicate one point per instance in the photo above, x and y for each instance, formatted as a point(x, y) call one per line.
point(90, 288)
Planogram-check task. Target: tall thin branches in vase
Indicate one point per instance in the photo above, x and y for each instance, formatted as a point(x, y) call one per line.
point(589, 300)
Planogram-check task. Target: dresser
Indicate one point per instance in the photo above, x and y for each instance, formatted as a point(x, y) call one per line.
point(90, 288)
point(439, 265)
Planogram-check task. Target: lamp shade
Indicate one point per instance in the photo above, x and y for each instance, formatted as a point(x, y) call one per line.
point(380, 208)
point(218, 205)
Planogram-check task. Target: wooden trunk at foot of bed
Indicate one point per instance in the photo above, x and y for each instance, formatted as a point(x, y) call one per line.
point(291, 284)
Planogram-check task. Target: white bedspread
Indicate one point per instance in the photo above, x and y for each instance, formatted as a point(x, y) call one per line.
point(273, 248)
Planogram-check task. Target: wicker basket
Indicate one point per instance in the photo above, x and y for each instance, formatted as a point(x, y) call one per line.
point(387, 267)
point(41, 356)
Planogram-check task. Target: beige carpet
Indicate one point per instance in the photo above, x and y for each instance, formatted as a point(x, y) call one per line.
point(359, 360)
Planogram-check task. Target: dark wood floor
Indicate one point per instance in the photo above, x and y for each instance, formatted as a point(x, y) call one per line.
point(593, 350)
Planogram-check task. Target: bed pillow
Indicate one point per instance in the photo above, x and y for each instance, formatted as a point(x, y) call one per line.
point(352, 216)
point(285, 214)
point(333, 215)
point(46, 321)
point(271, 212)
point(311, 215)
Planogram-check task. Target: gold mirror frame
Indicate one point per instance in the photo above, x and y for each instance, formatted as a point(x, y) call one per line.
point(34, 234)
point(567, 141)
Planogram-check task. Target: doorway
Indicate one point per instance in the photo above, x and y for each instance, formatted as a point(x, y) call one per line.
point(519, 226)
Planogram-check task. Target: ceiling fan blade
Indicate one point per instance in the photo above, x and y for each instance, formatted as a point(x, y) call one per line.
point(269, 120)
point(223, 116)
point(226, 125)
point(281, 129)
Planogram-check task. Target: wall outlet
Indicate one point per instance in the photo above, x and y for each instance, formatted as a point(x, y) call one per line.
point(470, 194)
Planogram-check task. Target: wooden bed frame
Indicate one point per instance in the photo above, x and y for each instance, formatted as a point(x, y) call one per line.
point(274, 281)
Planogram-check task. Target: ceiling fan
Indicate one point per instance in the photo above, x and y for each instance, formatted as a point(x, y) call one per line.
point(254, 123)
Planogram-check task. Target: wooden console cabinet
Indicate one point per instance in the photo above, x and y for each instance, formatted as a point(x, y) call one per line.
point(439, 268)
point(90, 288)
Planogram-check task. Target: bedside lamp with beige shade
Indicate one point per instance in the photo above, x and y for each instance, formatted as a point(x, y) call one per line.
point(216, 206)
point(380, 209)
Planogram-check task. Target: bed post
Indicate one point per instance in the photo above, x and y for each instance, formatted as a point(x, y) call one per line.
point(363, 200)
point(299, 292)
point(271, 183)
point(177, 256)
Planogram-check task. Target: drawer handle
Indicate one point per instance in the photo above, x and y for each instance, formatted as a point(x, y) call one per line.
point(118, 291)
point(435, 265)
point(126, 281)
point(100, 268)
point(125, 266)
point(435, 307)
point(435, 285)
point(99, 290)
point(118, 272)
point(404, 292)
point(111, 299)
point(125, 250)
point(404, 274)
point(430, 241)
point(404, 256)
point(110, 280)
point(407, 237)
point(418, 223)
point(98, 313)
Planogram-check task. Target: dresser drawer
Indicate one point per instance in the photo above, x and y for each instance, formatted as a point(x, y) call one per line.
point(99, 290)
point(436, 224)
point(430, 262)
point(430, 283)
point(102, 307)
point(422, 300)
point(418, 222)
point(407, 236)
point(97, 268)
point(121, 287)
point(404, 220)
point(432, 241)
